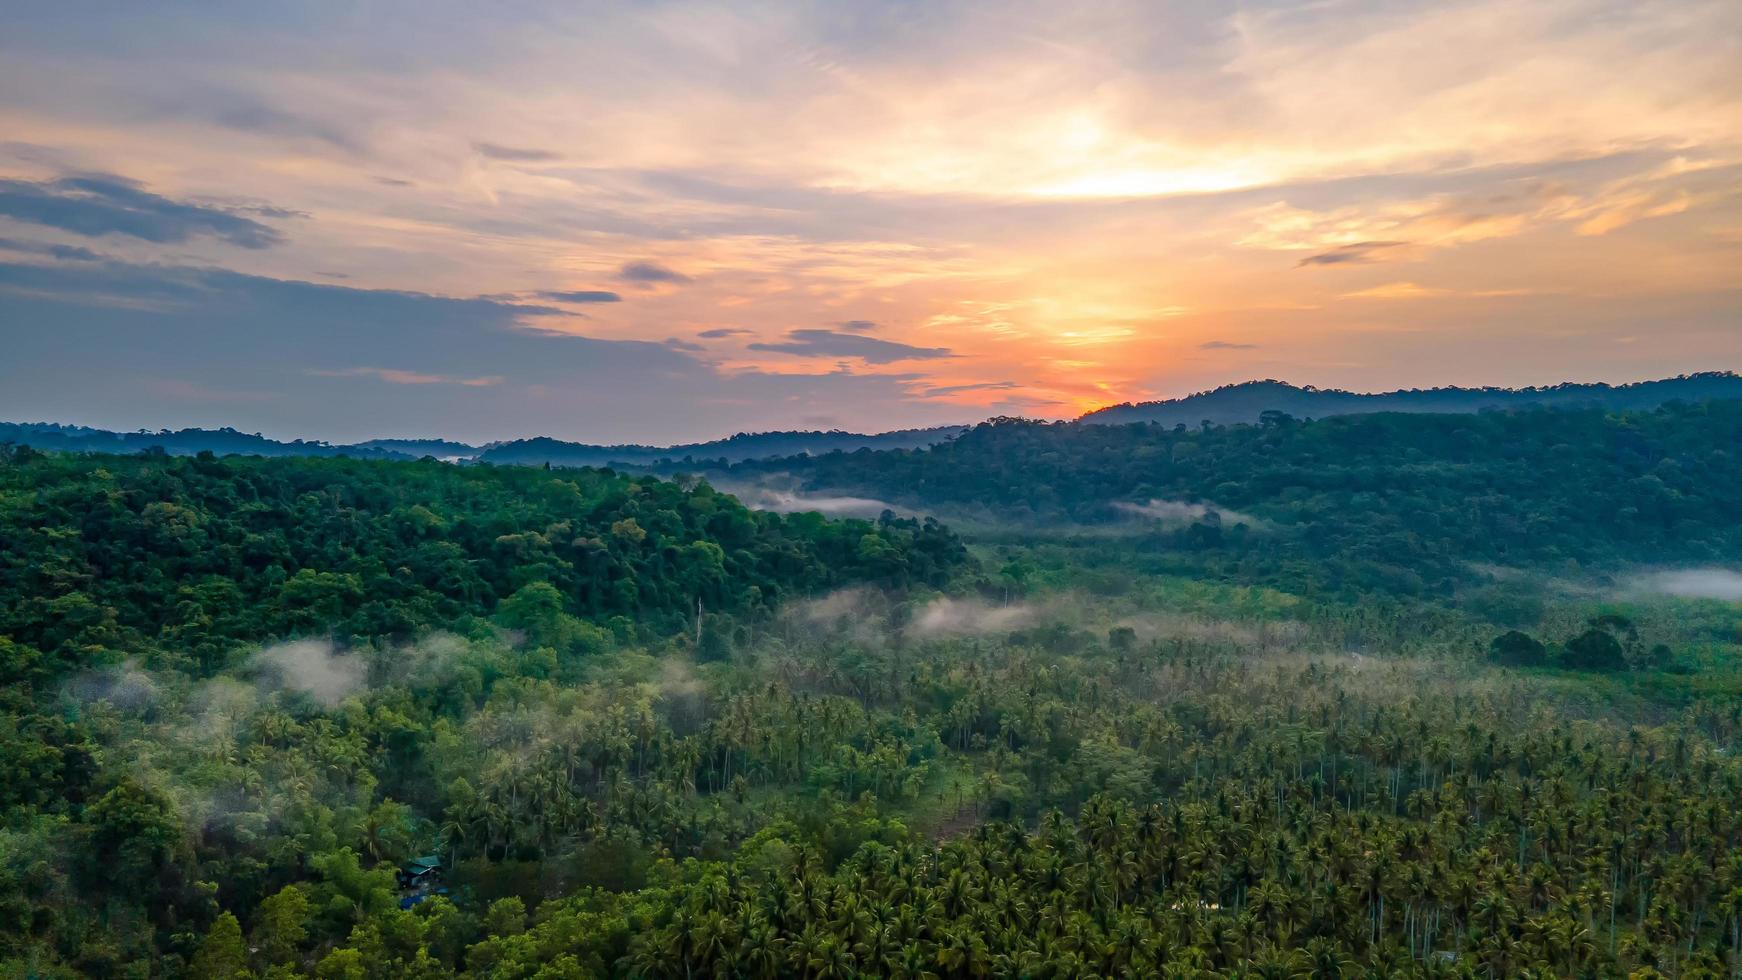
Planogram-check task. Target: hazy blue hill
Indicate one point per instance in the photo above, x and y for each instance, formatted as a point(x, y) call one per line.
point(419, 448)
point(1231, 404)
point(525, 452)
point(743, 446)
point(177, 442)
point(1245, 402)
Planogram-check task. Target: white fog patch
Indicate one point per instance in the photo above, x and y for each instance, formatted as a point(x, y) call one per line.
point(857, 612)
point(124, 687)
point(432, 657)
point(962, 617)
point(1694, 583)
point(313, 667)
point(216, 710)
point(790, 502)
point(851, 603)
point(1178, 513)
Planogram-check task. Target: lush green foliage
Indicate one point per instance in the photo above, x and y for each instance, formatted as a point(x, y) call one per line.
point(242, 693)
point(177, 559)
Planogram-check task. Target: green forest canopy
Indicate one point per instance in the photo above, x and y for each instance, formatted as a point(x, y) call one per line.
point(241, 695)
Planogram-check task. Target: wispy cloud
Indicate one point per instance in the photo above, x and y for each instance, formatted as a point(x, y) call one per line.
point(232, 110)
point(398, 377)
point(1397, 290)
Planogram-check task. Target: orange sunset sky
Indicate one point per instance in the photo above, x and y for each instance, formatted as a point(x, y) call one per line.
point(672, 221)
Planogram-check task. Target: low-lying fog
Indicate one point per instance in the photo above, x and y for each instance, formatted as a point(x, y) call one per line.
point(1693, 583)
point(789, 502)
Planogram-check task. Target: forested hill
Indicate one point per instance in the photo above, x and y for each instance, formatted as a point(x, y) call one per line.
point(1399, 500)
point(743, 446)
point(1248, 402)
point(1228, 405)
point(526, 452)
point(189, 556)
point(182, 442)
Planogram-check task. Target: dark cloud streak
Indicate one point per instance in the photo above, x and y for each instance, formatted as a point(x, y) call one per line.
point(831, 343)
point(65, 253)
point(102, 205)
point(651, 272)
point(580, 296)
point(512, 154)
point(946, 390)
point(1351, 254)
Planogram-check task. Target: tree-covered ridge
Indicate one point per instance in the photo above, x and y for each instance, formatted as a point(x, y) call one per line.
point(53, 437)
point(1248, 401)
point(535, 451)
point(1389, 501)
point(186, 557)
point(742, 446)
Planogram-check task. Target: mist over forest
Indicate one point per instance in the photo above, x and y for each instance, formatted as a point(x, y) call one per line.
point(1379, 694)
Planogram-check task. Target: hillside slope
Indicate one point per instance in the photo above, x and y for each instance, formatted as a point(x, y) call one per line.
point(743, 446)
point(1407, 500)
point(1247, 402)
point(524, 452)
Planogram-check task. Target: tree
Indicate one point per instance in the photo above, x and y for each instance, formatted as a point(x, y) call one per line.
point(1518, 649)
point(222, 955)
point(506, 917)
point(716, 644)
point(134, 831)
point(282, 924)
point(1595, 649)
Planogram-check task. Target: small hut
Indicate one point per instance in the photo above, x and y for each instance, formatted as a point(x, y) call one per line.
point(419, 879)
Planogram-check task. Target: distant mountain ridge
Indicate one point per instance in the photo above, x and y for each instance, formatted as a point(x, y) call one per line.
point(1247, 401)
point(736, 449)
point(177, 442)
point(524, 452)
point(419, 448)
point(1228, 405)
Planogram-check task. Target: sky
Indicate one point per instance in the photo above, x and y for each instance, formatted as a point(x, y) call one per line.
point(670, 221)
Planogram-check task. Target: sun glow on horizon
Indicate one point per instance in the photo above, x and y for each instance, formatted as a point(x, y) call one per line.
point(688, 217)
